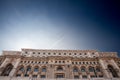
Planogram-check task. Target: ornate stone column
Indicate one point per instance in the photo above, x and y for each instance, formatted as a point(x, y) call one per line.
point(15, 66)
point(3, 65)
point(116, 67)
point(5, 62)
point(71, 72)
point(50, 71)
point(104, 68)
point(67, 71)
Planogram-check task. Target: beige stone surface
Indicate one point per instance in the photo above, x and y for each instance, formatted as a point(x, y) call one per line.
point(38, 64)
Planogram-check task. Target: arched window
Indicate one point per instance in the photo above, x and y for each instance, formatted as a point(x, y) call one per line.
point(97, 69)
point(43, 69)
point(36, 69)
point(28, 68)
point(59, 68)
point(112, 70)
point(21, 68)
point(83, 69)
point(7, 70)
point(75, 69)
point(91, 69)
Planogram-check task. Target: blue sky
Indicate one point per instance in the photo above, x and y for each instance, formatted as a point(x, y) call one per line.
point(60, 24)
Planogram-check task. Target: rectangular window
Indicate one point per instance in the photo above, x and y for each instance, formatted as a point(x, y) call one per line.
point(84, 76)
point(76, 77)
point(26, 75)
point(59, 76)
point(34, 76)
point(18, 75)
point(43, 76)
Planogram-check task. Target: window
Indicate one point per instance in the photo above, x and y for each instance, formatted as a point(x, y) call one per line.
point(59, 53)
point(69, 53)
point(39, 53)
point(91, 69)
point(83, 62)
point(92, 76)
point(76, 62)
point(74, 53)
point(43, 69)
point(34, 76)
point(48, 53)
point(83, 69)
point(33, 52)
point(36, 70)
point(100, 75)
point(80, 53)
point(54, 53)
point(21, 69)
point(84, 76)
point(18, 75)
point(97, 69)
point(44, 53)
point(92, 53)
point(59, 76)
point(86, 62)
point(64, 53)
point(90, 62)
point(26, 75)
point(28, 68)
point(25, 52)
point(76, 77)
point(59, 68)
point(79, 62)
point(59, 61)
point(75, 70)
point(72, 62)
point(85, 54)
point(43, 76)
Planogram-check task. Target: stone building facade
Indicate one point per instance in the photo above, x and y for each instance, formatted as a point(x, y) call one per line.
point(38, 64)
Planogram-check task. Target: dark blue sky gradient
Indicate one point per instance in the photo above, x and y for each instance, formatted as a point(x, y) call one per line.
point(82, 24)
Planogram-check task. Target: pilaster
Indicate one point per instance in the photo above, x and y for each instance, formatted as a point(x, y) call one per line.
point(104, 68)
point(15, 66)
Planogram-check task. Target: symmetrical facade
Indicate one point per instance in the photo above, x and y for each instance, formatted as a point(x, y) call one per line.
point(37, 64)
